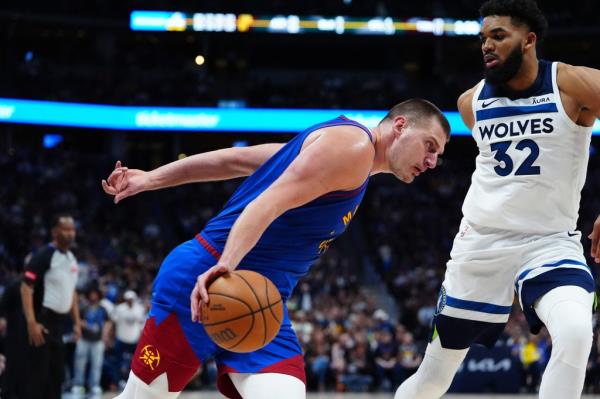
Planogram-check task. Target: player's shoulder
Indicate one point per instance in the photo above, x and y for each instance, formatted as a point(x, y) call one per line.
point(346, 137)
point(343, 150)
point(569, 76)
point(466, 98)
point(465, 106)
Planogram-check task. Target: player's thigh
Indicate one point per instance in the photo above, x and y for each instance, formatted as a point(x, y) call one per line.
point(268, 386)
point(171, 343)
point(283, 355)
point(478, 283)
point(555, 261)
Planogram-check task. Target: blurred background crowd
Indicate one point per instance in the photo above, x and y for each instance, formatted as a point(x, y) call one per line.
point(364, 311)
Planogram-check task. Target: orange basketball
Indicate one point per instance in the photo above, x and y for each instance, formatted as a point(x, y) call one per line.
point(244, 312)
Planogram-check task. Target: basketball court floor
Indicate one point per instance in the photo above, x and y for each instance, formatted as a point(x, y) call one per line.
point(216, 395)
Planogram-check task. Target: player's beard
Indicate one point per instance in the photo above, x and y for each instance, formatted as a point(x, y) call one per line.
point(501, 74)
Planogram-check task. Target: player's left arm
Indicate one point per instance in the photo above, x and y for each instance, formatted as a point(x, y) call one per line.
point(330, 163)
point(583, 85)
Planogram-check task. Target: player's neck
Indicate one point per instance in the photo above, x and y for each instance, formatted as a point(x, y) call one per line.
point(525, 77)
point(380, 160)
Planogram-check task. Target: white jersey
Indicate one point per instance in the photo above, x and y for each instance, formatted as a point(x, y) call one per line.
point(532, 159)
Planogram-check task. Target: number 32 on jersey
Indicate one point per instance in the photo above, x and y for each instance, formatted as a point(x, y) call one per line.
point(506, 164)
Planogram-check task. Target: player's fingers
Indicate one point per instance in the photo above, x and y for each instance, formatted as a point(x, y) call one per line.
point(194, 303)
point(117, 164)
point(596, 247)
point(203, 291)
point(116, 175)
point(123, 181)
point(124, 193)
point(107, 188)
point(595, 237)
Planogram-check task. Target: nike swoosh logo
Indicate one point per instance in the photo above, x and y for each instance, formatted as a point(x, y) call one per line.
point(572, 234)
point(485, 105)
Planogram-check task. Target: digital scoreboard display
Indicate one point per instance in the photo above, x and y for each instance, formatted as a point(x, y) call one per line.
point(295, 24)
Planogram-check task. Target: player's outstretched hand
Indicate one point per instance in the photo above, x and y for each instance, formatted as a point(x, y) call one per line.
point(124, 182)
point(595, 237)
point(200, 292)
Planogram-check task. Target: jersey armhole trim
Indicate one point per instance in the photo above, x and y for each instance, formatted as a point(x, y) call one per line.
point(475, 98)
point(559, 103)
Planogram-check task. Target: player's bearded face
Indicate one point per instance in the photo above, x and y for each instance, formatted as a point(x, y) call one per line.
point(504, 71)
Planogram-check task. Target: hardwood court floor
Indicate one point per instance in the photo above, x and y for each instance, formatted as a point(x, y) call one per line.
point(333, 395)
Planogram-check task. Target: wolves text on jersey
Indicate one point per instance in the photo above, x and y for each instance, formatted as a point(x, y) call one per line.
point(517, 128)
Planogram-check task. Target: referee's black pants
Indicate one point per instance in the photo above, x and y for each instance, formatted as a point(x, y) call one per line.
point(47, 362)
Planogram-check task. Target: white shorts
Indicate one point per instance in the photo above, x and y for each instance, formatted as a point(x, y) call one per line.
point(488, 266)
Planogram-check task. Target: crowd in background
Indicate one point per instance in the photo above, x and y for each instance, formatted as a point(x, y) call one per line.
point(404, 232)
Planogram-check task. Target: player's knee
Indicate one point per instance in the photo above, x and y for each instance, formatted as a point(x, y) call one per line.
point(572, 336)
point(433, 377)
point(437, 384)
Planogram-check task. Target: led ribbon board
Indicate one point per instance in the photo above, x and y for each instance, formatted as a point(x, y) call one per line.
point(275, 120)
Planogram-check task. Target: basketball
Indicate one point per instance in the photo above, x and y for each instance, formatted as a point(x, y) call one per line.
point(244, 312)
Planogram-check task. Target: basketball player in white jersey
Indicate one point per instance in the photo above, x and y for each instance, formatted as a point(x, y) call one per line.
point(532, 121)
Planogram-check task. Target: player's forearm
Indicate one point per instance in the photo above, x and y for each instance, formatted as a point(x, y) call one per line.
point(216, 165)
point(246, 231)
point(27, 302)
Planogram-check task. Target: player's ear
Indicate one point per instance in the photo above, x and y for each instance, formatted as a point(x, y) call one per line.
point(398, 125)
point(530, 40)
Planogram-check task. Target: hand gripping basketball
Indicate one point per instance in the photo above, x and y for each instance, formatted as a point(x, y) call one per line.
point(200, 292)
point(245, 311)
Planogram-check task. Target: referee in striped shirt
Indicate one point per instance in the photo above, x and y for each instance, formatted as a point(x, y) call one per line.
point(48, 296)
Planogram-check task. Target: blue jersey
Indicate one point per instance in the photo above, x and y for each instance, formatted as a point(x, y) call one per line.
point(294, 241)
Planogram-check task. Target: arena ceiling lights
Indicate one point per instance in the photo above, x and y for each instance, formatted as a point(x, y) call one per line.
point(294, 24)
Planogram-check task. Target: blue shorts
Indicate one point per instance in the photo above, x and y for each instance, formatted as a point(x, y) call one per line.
point(172, 343)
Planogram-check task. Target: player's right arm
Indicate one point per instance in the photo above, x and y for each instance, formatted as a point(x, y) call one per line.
point(465, 107)
point(216, 165)
point(340, 158)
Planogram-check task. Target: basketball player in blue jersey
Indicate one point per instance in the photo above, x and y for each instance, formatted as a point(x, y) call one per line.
point(532, 121)
point(281, 218)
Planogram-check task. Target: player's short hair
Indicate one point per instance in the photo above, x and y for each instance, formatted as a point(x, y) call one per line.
point(417, 110)
point(522, 12)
